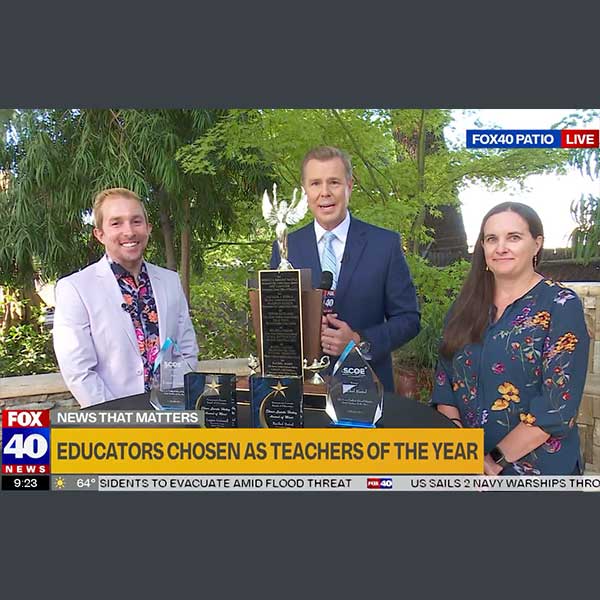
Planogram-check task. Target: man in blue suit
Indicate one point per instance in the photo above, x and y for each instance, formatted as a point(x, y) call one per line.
point(375, 299)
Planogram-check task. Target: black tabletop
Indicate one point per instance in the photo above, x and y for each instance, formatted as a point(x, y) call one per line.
point(398, 411)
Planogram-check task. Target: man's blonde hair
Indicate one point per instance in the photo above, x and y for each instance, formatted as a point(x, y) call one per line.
point(327, 153)
point(104, 194)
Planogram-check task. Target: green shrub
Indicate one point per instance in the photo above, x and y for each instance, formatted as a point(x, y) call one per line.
point(437, 288)
point(219, 309)
point(26, 350)
point(219, 302)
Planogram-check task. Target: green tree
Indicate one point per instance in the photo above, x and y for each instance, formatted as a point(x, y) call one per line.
point(399, 175)
point(403, 171)
point(58, 159)
point(585, 238)
point(220, 302)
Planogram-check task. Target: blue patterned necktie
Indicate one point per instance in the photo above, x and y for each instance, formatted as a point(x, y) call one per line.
point(328, 260)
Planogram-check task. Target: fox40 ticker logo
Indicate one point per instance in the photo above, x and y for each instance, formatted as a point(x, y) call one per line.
point(380, 483)
point(25, 442)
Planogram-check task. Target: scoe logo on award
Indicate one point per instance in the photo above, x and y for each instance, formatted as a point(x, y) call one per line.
point(354, 371)
point(25, 442)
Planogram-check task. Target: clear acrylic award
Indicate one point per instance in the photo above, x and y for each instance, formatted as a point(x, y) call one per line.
point(355, 394)
point(167, 391)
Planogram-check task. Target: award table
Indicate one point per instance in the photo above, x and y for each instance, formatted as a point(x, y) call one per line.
point(398, 412)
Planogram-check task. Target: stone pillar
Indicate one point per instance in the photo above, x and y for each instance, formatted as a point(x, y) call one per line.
point(588, 418)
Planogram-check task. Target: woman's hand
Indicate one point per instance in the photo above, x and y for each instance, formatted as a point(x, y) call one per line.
point(490, 467)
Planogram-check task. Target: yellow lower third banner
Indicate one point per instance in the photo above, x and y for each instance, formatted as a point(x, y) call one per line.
point(267, 451)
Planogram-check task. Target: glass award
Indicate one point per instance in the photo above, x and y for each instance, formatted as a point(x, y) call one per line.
point(167, 390)
point(355, 394)
point(214, 395)
point(276, 401)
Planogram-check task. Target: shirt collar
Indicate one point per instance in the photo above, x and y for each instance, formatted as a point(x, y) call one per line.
point(120, 271)
point(341, 231)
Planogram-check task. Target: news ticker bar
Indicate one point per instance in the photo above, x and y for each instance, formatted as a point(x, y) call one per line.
point(533, 138)
point(321, 483)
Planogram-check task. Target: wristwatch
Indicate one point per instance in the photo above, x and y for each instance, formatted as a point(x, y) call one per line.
point(498, 457)
point(364, 346)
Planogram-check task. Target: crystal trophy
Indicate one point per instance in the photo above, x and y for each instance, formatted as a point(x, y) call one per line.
point(355, 395)
point(167, 388)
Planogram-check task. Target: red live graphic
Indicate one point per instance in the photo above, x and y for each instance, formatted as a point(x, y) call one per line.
point(580, 138)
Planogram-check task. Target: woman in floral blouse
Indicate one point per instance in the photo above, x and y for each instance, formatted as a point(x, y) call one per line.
point(514, 353)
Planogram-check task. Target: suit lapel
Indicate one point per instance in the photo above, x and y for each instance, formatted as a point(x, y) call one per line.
point(115, 300)
point(308, 252)
point(160, 297)
point(355, 245)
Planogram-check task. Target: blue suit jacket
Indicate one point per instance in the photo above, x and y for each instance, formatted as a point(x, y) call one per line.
point(375, 293)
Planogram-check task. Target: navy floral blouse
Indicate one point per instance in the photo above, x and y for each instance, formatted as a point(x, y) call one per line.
point(530, 368)
point(138, 301)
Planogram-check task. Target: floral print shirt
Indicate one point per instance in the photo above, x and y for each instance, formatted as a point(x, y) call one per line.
point(138, 301)
point(530, 368)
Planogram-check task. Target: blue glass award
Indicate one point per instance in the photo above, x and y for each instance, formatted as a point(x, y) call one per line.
point(355, 394)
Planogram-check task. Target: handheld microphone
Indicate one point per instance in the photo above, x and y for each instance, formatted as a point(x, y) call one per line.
point(326, 280)
point(328, 293)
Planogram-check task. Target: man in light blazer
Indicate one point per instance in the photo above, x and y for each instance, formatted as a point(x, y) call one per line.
point(112, 317)
point(375, 299)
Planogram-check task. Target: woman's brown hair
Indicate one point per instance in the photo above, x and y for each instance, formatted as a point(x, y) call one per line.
point(470, 314)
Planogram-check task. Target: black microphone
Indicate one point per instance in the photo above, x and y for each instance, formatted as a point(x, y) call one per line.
point(328, 293)
point(326, 280)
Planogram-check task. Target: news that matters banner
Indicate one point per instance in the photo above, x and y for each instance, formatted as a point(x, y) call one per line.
point(533, 138)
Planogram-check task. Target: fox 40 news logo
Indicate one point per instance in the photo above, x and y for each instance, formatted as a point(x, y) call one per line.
point(25, 442)
point(380, 483)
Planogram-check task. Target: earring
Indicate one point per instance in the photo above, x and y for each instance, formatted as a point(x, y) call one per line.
point(535, 261)
point(487, 268)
